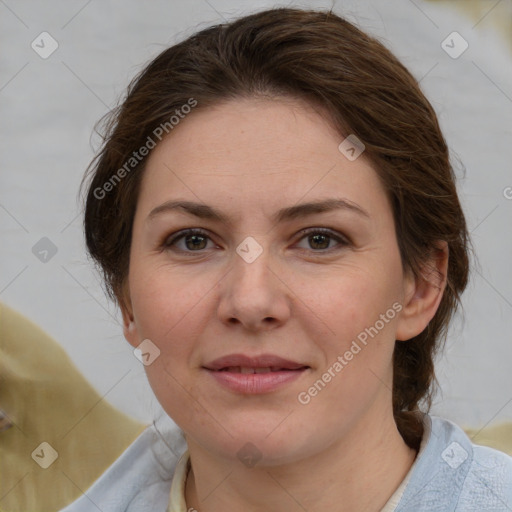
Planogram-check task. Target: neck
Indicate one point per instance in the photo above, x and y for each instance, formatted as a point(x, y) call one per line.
point(357, 473)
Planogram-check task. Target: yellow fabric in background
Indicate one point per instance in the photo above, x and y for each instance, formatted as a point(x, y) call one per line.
point(486, 13)
point(496, 436)
point(48, 400)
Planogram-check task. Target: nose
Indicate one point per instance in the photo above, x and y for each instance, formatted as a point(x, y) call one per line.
point(254, 295)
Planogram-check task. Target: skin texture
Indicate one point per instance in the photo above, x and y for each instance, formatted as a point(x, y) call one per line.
point(304, 298)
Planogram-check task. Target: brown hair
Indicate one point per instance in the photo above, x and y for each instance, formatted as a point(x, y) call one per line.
point(323, 59)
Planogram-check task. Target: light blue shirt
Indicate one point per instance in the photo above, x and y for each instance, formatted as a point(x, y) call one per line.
point(450, 474)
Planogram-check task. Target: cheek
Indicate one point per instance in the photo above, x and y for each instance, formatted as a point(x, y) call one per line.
point(360, 310)
point(167, 301)
point(170, 309)
point(352, 300)
point(357, 354)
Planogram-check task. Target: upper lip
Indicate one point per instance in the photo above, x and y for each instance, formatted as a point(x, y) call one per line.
point(262, 361)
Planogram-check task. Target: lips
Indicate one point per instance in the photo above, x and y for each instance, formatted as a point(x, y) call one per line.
point(240, 363)
point(254, 375)
point(244, 369)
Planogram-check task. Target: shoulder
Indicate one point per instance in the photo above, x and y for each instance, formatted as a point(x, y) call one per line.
point(452, 473)
point(141, 477)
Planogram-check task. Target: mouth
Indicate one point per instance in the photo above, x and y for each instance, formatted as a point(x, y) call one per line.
point(268, 369)
point(254, 375)
point(263, 363)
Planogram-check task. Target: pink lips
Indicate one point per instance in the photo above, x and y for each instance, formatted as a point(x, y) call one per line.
point(254, 375)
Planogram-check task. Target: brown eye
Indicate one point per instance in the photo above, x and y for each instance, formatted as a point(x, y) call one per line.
point(190, 240)
point(195, 241)
point(320, 239)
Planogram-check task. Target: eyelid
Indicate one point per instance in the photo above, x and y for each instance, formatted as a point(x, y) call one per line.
point(169, 240)
point(325, 231)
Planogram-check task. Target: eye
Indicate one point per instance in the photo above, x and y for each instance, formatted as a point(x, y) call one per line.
point(319, 239)
point(196, 240)
point(191, 240)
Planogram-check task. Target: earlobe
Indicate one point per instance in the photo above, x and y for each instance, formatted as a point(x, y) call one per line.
point(130, 331)
point(423, 294)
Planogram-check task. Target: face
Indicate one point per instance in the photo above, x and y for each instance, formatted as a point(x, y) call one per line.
point(266, 281)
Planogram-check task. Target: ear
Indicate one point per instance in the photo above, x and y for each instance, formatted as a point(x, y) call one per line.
point(423, 294)
point(130, 330)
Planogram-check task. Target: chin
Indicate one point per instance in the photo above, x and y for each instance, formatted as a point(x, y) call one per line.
point(259, 444)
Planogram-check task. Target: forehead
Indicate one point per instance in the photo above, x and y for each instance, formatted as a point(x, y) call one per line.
point(249, 153)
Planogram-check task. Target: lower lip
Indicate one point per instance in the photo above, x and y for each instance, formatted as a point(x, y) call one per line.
point(256, 383)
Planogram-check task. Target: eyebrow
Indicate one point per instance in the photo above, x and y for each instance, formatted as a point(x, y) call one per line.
point(204, 211)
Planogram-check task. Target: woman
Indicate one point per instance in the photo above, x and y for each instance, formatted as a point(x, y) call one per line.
point(274, 211)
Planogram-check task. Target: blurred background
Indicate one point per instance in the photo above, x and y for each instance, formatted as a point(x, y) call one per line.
point(53, 92)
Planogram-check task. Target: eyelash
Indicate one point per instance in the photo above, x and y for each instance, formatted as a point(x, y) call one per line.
point(169, 241)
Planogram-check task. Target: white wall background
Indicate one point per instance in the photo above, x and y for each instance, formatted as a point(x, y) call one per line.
point(49, 107)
